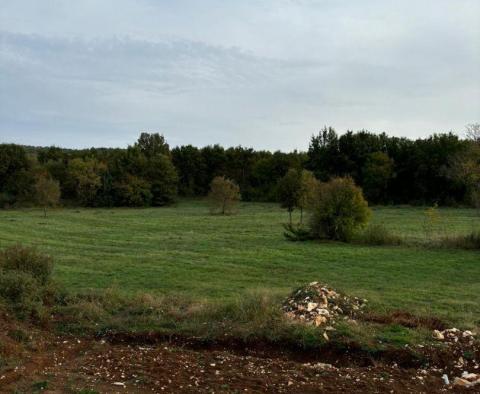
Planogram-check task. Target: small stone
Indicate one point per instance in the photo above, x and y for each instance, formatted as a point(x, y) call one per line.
point(324, 312)
point(470, 376)
point(438, 335)
point(461, 382)
point(319, 320)
point(323, 366)
point(290, 315)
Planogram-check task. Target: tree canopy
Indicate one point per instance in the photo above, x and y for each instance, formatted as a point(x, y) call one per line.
point(438, 169)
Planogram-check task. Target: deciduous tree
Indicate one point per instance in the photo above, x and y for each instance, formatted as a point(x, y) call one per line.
point(224, 195)
point(377, 173)
point(473, 132)
point(47, 192)
point(309, 187)
point(86, 176)
point(289, 191)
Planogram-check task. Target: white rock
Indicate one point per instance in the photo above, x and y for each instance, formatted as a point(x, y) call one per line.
point(319, 320)
point(323, 312)
point(461, 382)
point(470, 376)
point(438, 335)
point(323, 366)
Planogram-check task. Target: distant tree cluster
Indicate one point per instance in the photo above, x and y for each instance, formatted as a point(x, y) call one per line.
point(141, 175)
point(399, 170)
point(443, 169)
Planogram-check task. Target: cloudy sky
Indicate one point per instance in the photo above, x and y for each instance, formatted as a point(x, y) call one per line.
point(265, 74)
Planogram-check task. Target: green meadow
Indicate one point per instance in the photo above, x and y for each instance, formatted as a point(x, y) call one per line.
point(186, 251)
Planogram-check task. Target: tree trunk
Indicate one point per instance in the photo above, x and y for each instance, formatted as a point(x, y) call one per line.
point(44, 212)
point(290, 216)
point(301, 215)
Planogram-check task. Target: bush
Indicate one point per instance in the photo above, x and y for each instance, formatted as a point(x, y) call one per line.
point(339, 210)
point(378, 234)
point(27, 260)
point(25, 284)
point(20, 291)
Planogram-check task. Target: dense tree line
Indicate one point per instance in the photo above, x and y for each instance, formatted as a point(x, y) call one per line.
point(442, 168)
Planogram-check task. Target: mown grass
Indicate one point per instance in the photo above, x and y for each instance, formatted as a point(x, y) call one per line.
point(184, 251)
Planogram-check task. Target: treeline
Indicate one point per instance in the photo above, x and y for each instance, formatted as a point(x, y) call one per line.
point(148, 173)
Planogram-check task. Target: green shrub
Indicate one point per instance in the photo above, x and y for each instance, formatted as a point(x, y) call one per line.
point(339, 210)
point(20, 292)
point(379, 234)
point(28, 260)
point(25, 285)
point(80, 316)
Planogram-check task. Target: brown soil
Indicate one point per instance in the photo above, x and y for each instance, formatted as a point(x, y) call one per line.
point(147, 363)
point(35, 360)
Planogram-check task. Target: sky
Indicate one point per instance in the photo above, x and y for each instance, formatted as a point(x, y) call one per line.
point(264, 74)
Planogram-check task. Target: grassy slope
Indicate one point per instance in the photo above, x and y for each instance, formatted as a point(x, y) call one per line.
point(185, 250)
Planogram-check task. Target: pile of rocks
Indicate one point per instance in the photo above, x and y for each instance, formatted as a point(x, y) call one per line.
point(467, 380)
point(454, 335)
point(320, 305)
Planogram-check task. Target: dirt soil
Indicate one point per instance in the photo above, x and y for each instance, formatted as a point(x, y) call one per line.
point(36, 360)
point(146, 364)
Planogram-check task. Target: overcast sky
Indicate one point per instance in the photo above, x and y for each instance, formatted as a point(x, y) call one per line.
point(265, 74)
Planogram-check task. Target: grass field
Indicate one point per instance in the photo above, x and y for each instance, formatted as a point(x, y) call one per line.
point(184, 250)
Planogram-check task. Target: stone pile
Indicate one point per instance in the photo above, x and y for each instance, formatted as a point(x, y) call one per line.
point(467, 380)
point(454, 335)
point(320, 305)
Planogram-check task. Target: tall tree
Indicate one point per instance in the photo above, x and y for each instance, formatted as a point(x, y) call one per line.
point(152, 144)
point(473, 132)
point(191, 168)
point(86, 179)
point(289, 191)
point(16, 178)
point(465, 170)
point(377, 173)
point(324, 154)
point(308, 189)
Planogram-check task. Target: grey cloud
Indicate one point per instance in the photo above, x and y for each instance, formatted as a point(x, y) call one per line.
point(265, 74)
